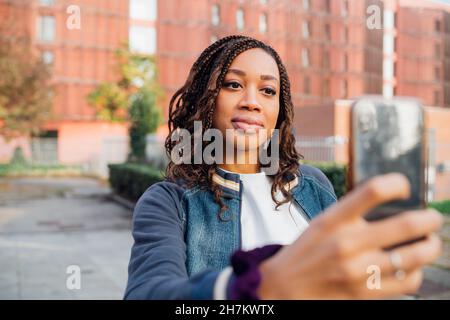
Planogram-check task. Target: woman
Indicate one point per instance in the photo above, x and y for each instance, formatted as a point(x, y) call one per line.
point(230, 230)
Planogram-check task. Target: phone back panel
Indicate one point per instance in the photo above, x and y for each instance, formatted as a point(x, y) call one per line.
point(388, 136)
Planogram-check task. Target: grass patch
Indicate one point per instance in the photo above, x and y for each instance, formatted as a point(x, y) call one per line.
point(34, 170)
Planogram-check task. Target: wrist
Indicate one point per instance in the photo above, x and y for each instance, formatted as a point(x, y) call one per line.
point(267, 287)
point(246, 266)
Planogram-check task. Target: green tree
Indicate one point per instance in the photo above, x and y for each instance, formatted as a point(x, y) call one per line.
point(145, 118)
point(110, 102)
point(25, 89)
point(131, 98)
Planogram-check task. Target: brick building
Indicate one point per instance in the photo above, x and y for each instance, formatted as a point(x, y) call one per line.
point(330, 53)
point(327, 49)
point(417, 51)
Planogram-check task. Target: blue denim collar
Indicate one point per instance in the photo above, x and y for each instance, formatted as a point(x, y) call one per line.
point(230, 182)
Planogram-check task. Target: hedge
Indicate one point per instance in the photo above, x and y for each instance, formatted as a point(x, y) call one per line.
point(441, 206)
point(337, 174)
point(130, 180)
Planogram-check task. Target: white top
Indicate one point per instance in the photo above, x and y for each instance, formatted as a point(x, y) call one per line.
point(261, 224)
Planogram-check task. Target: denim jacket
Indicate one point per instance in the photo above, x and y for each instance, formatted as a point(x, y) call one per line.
point(180, 244)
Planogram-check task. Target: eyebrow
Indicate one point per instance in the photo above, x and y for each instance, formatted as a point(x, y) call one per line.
point(242, 73)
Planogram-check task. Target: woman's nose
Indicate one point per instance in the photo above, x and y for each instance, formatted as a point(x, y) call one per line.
point(249, 101)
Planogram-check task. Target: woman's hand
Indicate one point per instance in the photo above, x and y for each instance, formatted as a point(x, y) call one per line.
point(336, 255)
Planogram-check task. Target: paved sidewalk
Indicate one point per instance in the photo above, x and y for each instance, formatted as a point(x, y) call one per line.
point(437, 276)
point(47, 225)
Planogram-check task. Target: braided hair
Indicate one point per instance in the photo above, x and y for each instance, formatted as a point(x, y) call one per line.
point(195, 101)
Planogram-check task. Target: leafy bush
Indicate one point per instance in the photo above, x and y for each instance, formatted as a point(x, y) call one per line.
point(130, 180)
point(145, 118)
point(18, 157)
point(337, 174)
point(441, 206)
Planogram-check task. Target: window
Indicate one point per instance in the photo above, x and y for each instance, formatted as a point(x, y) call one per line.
point(326, 88)
point(344, 8)
point(328, 5)
point(215, 15)
point(437, 51)
point(143, 10)
point(142, 39)
point(328, 32)
point(447, 95)
point(305, 58)
point(437, 73)
point(344, 89)
point(47, 3)
point(389, 19)
point(263, 23)
point(306, 29)
point(437, 26)
point(240, 19)
point(46, 28)
point(345, 62)
point(437, 98)
point(326, 60)
point(306, 5)
point(388, 44)
point(47, 57)
point(307, 85)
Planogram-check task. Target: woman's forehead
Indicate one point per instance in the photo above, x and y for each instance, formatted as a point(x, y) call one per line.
point(255, 61)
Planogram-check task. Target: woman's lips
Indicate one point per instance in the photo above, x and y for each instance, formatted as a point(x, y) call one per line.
point(248, 128)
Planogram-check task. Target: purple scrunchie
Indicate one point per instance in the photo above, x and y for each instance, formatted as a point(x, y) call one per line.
point(246, 271)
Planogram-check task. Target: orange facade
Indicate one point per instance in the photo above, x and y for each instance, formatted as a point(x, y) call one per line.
point(330, 53)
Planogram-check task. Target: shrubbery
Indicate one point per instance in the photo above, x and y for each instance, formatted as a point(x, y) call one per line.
point(337, 174)
point(441, 206)
point(130, 180)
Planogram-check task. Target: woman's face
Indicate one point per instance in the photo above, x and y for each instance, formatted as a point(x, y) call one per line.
point(248, 101)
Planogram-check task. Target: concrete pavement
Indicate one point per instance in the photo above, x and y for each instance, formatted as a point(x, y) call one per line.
point(47, 225)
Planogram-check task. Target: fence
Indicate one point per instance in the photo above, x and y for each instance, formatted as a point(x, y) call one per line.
point(321, 149)
point(44, 150)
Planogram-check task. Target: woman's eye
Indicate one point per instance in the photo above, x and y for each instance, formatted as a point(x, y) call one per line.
point(269, 91)
point(232, 85)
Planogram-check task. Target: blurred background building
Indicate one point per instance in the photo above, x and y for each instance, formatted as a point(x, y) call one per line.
point(330, 53)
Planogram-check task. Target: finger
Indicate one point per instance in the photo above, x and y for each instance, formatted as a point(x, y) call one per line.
point(412, 257)
point(398, 229)
point(372, 193)
point(391, 287)
point(415, 255)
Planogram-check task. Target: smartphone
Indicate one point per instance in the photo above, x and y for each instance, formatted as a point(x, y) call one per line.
point(388, 135)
